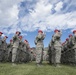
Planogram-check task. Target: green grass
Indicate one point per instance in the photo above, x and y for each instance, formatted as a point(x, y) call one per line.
point(32, 69)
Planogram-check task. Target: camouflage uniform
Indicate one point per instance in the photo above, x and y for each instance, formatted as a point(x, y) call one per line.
point(65, 51)
point(21, 52)
point(24, 59)
point(9, 46)
point(50, 52)
point(32, 56)
point(1, 51)
point(24, 51)
point(16, 41)
point(39, 47)
point(62, 53)
point(74, 47)
point(4, 48)
point(28, 57)
point(69, 50)
point(57, 47)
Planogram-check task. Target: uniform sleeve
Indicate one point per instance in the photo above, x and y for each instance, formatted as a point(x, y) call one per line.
point(43, 36)
point(39, 36)
point(16, 37)
point(28, 46)
point(53, 38)
point(2, 40)
point(73, 40)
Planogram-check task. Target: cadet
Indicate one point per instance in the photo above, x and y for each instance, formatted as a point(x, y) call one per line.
point(70, 41)
point(67, 43)
point(28, 57)
point(24, 54)
point(20, 51)
point(70, 50)
point(57, 47)
point(39, 47)
point(4, 47)
point(16, 41)
point(10, 50)
point(63, 53)
point(1, 51)
point(32, 55)
point(74, 46)
point(66, 50)
point(51, 51)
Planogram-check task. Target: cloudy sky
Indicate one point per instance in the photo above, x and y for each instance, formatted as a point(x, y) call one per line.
point(28, 16)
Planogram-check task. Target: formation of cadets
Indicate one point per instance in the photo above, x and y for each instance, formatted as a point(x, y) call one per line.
point(62, 52)
point(19, 51)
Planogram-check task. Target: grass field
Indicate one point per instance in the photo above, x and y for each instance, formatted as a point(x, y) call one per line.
point(32, 69)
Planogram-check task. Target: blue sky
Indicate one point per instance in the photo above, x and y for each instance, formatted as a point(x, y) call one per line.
point(28, 16)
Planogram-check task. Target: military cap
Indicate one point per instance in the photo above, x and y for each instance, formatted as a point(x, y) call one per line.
point(70, 35)
point(25, 40)
point(56, 30)
point(40, 31)
point(1, 33)
point(74, 31)
point(67, 39)
point(6, 36)
point(18, 32)
point(11, 40)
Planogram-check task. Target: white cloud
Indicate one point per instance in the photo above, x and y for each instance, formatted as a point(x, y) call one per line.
point(41, 7)
point(8, 13)
point(40, 17)
point(59, 6)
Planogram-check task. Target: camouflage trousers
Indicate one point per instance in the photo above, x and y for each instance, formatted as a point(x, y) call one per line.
point(69, 56)
point(50, 56)
point(9, 54)
point(28, 56)
point(14, 55)
point(1, 55)
point(5, 55)
point(22, 56)
point(39, 55)
point(56, 55)
point(75, 55)
point(32, 57)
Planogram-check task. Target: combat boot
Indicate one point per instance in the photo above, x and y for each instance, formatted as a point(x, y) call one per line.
point(13, 64)
point(38, 65)
point(58, 65)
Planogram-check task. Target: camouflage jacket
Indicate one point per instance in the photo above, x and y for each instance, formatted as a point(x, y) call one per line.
point(16, 41)
point(74, 42)
point(21, 45)
point(4, 45)
point(39, 40)
point(56, 40)
point(10, 45)
point(26, 47)
point(0, 42)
